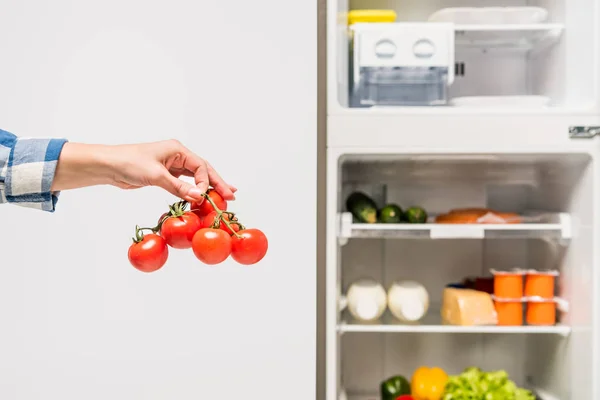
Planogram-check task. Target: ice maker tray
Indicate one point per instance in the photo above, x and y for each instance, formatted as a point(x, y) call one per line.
point(400, 86)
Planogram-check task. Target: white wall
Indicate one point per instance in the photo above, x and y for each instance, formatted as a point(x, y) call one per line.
point(236, 82)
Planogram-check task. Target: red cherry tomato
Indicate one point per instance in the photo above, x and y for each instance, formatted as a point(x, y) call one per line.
point(211, 246)
point(204, 207)
point(150, 254)
point(250, 248)
point(209, 221)
point(179, 231)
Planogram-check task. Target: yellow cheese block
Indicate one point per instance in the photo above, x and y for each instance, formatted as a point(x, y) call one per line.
point(468, 307)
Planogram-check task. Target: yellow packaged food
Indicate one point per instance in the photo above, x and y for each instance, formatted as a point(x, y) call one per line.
point(356, 16)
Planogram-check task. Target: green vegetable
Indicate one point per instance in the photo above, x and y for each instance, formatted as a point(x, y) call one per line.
point(390, 214)
point(393, 387)
point(475, 384)
point(416, 215)
point(362, 207)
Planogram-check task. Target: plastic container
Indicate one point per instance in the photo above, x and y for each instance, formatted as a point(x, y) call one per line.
point(541, 311)
point(408, 301)
point(510, 311)
point(400, 86)
point(540, 283)
point(508, 284)
point(366, 300)
point(490, 15)
point(371, 16)
point(400, 64)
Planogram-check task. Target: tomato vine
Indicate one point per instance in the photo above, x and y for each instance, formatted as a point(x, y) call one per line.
point(213, 235)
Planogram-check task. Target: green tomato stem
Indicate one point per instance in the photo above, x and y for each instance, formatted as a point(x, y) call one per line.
point(220, 214)
point(139, 234)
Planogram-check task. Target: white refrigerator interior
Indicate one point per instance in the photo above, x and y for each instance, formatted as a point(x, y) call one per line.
point(78, 321)
point(545, 60)
point(507, 120)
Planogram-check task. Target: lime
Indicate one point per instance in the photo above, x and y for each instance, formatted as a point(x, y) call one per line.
point(390, 214)
point(415, 215)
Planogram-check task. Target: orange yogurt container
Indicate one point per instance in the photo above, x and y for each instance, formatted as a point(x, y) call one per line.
point(510, 311)
point(540, 283)
point(508, 284)
point(541, 312)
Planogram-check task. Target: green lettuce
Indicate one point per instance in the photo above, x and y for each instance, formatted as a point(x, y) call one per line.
point(474, 384)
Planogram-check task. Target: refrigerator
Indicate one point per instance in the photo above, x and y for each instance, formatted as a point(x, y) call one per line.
point(453, 105)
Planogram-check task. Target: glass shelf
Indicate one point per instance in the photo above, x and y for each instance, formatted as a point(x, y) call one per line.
point(517, 36)
point(549, 226)
point(431, 323)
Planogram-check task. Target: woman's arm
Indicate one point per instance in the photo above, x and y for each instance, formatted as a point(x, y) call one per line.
point(34, 171)
point(27, 168)
point(137, 165)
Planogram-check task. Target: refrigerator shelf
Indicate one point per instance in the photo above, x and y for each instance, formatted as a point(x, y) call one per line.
point(551, 226)
point(431, 323)
point(511, 36)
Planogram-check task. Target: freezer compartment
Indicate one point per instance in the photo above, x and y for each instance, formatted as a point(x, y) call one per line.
point(513, 48)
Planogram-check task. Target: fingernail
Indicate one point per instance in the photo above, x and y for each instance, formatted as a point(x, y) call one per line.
point(195, 193)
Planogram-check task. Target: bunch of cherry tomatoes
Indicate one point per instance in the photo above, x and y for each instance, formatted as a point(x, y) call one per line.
point(207, 228)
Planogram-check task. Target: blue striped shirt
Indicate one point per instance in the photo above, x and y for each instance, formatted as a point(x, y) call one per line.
point(27, 168)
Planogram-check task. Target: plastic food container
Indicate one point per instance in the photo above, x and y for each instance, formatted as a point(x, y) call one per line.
point(366, 300)
point(510, 311)
point(398, 86)
point(541, 311)
point(371, 16)
point(408, 301)
point(540, 283)
point(490, 15)
point(508, 284)
point(400, 64)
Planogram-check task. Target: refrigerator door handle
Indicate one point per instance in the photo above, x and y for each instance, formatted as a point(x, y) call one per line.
point(583, 132)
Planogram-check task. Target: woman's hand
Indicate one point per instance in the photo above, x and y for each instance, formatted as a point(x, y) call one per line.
point(138, 165)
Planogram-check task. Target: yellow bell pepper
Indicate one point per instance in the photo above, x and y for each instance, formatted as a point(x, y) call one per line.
point(428, 383)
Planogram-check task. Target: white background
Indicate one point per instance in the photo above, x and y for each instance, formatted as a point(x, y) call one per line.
point(236, 82)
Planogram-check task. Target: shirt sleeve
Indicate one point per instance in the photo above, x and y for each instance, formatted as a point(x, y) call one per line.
point(27, 168)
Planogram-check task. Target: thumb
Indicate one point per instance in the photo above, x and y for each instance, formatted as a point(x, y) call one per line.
point(180, 188)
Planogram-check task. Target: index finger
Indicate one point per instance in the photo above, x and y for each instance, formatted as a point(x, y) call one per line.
point(224, 189)
point(198, 167)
